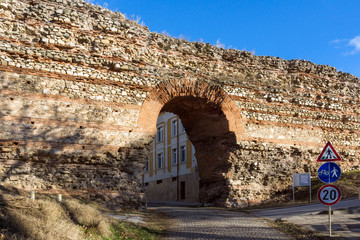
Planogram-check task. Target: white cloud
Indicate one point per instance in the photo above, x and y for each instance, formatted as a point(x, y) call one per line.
point(351, 46)
point(338, 42)
point(355, 42)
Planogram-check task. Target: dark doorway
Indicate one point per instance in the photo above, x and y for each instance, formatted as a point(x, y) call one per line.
point(182, 190)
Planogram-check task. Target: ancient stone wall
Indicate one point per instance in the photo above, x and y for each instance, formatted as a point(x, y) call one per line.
point(81, 88)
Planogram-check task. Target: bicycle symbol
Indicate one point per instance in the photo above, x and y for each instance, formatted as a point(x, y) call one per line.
point(323, 172)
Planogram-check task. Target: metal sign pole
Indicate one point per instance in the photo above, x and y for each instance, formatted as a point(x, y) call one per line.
point(293, 192)
point(329, 221)
point(310, 189)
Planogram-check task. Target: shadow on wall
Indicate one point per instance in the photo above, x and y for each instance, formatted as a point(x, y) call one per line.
point(208, 130)
point(46, 154)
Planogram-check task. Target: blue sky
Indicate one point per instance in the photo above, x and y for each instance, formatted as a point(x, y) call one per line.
point(320, 31)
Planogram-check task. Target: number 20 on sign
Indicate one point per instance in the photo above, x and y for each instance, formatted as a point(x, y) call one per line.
point(329, 194)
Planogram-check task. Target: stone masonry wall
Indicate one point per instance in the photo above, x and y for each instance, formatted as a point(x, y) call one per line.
point(81, 88)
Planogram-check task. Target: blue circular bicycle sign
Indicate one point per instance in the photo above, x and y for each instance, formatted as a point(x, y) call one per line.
point(329, 172)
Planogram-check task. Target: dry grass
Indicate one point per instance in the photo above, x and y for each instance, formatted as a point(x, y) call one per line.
point(44, 218)
point(41, 219)
point(49, 221)
point(86, 215)
point(295, 231)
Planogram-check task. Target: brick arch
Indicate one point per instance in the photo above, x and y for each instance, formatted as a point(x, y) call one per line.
point(212, 122)
point(166, 91)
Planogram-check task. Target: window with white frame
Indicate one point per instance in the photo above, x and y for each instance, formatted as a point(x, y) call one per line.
point(160, 134)
point(174, 156)
point(174, 127)
point(147, 164)
point(183, 154)
point(160, 160)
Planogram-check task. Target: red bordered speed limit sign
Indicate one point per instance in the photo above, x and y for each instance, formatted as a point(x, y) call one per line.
point(329, 194)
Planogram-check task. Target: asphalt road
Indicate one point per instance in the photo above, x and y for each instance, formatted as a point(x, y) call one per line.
point(202, 223)
point(278, 213)
point(193, 222)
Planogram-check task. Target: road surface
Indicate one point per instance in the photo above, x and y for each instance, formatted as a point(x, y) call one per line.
point(283, 212)
point(203, 223)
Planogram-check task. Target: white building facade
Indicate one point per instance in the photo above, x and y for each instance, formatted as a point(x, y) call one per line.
point(170, 172)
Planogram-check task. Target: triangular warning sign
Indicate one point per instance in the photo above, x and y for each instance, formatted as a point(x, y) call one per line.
point(328, 154)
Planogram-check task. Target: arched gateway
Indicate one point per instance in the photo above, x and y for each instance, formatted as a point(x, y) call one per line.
point(212, 121)
point(81, 88)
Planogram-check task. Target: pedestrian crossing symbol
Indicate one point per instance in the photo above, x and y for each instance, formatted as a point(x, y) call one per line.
point(328, 154)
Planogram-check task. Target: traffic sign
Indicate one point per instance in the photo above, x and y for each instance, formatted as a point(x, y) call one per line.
point(328, 154)
point(329, 172)
point(329, 194)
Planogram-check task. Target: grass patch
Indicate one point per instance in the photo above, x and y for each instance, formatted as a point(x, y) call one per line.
point(88, 216)
point(299, 233)
point(72, 219)
point(126, 230)
point(23, 218)
point(295, 231)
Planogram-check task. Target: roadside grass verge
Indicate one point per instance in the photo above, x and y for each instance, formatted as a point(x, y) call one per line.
point(71, 219)
point(297, 232)
point(293, 230)
point(154, 229)
point(127, 230)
